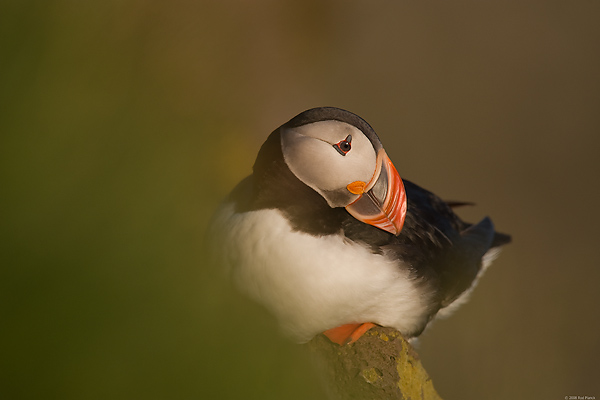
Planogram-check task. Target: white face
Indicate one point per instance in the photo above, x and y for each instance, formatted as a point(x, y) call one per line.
point(311, 154)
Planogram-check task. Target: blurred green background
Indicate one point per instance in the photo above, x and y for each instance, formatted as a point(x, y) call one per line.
point(124, 123)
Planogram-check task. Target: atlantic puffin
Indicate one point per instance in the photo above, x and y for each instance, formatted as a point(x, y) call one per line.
point(326, 235)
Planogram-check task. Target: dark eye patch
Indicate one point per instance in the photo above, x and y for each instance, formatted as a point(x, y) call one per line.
point(344, 146)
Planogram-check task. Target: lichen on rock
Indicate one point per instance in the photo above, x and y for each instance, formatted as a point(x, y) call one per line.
point(380, 365)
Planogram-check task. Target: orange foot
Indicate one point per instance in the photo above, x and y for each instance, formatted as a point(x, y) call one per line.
point(348, 333)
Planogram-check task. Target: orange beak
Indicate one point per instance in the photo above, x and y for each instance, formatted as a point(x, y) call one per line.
point(382, 201)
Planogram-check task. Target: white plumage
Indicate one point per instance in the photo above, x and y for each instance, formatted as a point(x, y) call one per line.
point(313, 283)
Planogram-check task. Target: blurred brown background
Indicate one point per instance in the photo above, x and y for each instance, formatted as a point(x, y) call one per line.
point(123, 124)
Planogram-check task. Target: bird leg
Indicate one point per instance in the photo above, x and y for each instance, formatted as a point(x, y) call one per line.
point(348, 333)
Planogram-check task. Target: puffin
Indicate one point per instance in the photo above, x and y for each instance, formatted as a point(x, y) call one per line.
point(329, 239)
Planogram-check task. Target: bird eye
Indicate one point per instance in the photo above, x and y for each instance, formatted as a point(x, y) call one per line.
point(344, 146)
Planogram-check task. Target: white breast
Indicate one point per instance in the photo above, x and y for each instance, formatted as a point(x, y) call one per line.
point(311, 283)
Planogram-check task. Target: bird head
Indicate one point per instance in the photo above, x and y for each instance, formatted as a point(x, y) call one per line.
point(338, 155)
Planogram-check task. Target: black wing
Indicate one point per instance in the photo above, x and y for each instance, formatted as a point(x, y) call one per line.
point(440, 246)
